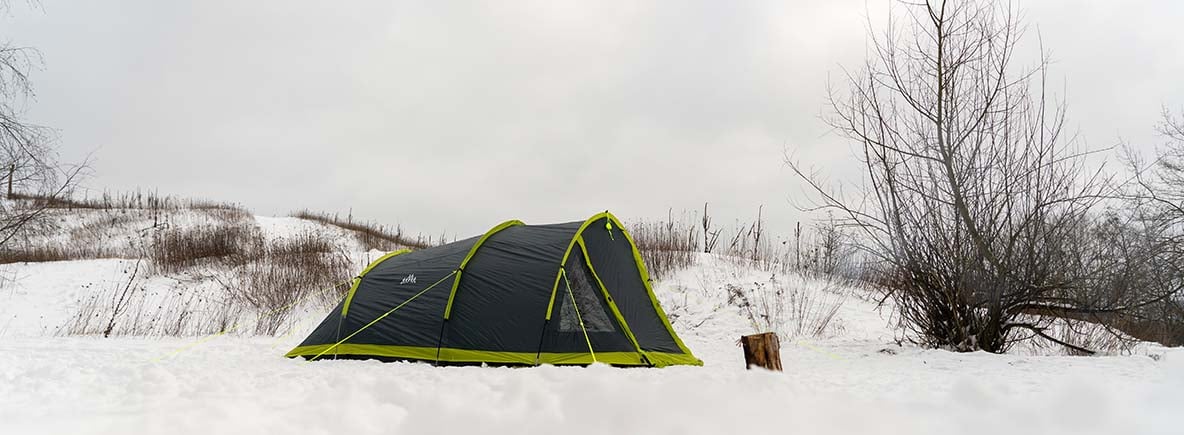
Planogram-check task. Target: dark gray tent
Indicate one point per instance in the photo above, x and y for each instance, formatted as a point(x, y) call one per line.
point(571, 293)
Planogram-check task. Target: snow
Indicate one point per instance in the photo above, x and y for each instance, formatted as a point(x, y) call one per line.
point(851, 378)
point(37, 299)
point(242, 385)
point(288, 227)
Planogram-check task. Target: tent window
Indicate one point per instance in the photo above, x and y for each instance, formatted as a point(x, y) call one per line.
point(589, 299)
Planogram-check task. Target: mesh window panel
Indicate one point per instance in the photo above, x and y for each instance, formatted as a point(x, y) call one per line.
point(588, 298)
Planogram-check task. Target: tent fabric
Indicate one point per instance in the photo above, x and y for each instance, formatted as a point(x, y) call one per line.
point(570, 293)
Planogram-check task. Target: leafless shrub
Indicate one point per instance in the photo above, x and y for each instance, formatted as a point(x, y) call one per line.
point(35, 254)
point(1094, 336)
point(788, 308)
point(370, 235)
point(281, 276)
point(175, 249)
point(1140, 274)
point(1081, 334)
point(761, 308)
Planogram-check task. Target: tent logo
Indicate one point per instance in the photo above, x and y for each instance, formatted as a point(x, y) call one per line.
point(409, 279)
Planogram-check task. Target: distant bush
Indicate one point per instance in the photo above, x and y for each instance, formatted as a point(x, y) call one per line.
point(35, 254)
point(175, 249)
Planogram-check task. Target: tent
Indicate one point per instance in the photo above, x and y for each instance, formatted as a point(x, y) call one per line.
point(570, 293)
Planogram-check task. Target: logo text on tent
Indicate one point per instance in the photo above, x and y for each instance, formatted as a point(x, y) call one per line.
point(409, 279)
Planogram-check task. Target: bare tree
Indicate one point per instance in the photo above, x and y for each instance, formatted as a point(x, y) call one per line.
point(1154, 197)
point(1159, 185)
point(28, 161)
point(973, 193)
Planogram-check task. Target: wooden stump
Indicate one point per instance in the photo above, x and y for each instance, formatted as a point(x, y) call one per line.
point(762, 350)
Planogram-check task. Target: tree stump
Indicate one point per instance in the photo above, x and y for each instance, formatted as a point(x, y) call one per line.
point(762, 350)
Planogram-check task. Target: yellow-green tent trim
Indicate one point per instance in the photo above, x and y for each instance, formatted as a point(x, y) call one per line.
point(353, 288)
point(420, 353)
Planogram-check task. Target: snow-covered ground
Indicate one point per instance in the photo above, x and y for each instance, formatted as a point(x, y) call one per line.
point(243, 385)
point(849, 378)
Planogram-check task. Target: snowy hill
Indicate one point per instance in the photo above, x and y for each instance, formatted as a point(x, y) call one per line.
point(120, 259)
point(844, 372)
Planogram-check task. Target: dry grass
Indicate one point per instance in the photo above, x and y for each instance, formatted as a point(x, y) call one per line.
point(286, 274)
point(786, 306)
point(125, 201)
point(111, 226)
point(666, 246)
point(107, 308)
point(129, 308)
point(36, 254)
point(208, 267)
point(790, 301)
point(53, 242)
point(175, 249)
point(268, 278)
point(821, 250)
point(253, 286)
point(370, 235)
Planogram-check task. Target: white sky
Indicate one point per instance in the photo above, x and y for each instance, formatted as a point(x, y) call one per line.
point(454, 116)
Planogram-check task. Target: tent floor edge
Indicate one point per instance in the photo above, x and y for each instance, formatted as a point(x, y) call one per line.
point(665, 359)
point(450, 356)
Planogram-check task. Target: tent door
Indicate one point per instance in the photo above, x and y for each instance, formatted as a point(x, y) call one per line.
point(609, 299)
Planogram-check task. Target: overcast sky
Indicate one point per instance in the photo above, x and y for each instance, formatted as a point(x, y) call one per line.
point(454, 116)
